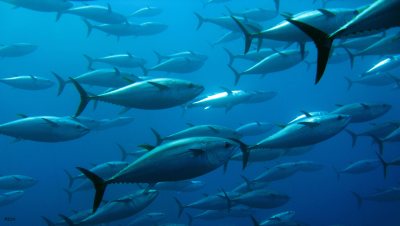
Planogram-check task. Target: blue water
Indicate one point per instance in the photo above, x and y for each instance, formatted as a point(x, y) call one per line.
point(318, 197)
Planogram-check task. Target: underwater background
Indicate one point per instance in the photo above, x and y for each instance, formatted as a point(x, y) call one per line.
point(318, 198)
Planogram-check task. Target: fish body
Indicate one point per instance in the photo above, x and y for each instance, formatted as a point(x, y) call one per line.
point(28, 82)
point(16, 49)
point(116, 122)
point(307, 132)
point(10, 197)
point(263, 199)
point(385, 65)
point(363, 166)
point(97, 13)
point(384, 195)
point(194, 186)
point(148, 219)
point(304, 117)
point(214, 202)
point(121, 208)
point(16, 182)
point(255, 128)
point(41, 5)
point(310, 166)
point(205, 131)
point(179, 65)
point(228, 23)
point(149, 28)
point(280, 217)
point(260, 96)
point(44, 129)
point(228, 37)
point(279, 172)
point(363, 111)
point(255, 56)
point(256, 14)
point(382, 130)
point(380, 79)
point(146, 12)
point(189, 54)
point(213, 2)
point(394, 136)
point(361, 43)
point(174, 185)
point(386, 46)
point(250, 186)
point(86, 121)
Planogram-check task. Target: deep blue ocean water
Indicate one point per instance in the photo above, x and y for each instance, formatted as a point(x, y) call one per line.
point(318, 198)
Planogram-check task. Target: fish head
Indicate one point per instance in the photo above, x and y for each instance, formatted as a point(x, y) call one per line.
point(29, 47)
point(220, 151)
point(31, 181)
point(381, 108)
point(279, 198)
point(184, 91)
point(236, 135)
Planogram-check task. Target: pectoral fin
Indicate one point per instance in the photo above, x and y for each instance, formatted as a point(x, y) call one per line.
point(160, 86)
point(310, 124)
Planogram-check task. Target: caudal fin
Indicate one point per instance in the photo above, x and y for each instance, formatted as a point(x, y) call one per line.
point(384, 164)
point(89, 26)
point(124, 153)
point(69, 194)
point(90, 61)
point(351, 55)
point(379, 141)
point(248, 36)
point(67, 220)
point(237, 74)
point(248, 182)
point(181, 208)
point(322, 42)
point(350, 83)
point(358, 198)
point(190, 219)
point(59, 13)
point(158, 137)
point(228, 200)
point(99, 184)
point(159, 56)
point(61, 82)
point(231, 56)
point(84, 97)
point(353, 136)
point(71, 179)
point(49, 223)
point(201, 20)
point(309, 64)
point(338, 174)
point(255, 223)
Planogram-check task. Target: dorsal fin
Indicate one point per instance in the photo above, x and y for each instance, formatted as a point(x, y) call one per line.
point(308, 115)
point(147, 147)
point(214, 130)
point(226, 90)
point(188, 60)
point(129, 55)
point(130, 81)
point(280, 125)
point(339, 105)
point(258, 123)
point(21, 115)
point(117, 72)
point(74, 211)
point(205, 195)
point(94, 165)
point(160, 86)
point(189, 124)
point(365, 106)
point(32, 77)
point(327, 13)
point(109, 8)
point(16, 178)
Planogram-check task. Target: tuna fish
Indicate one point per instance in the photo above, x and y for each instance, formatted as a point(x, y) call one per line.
point(380, 79)
point(146, 12)
point(27, 82)
point(237, 212)
point(280, 217)
point(263, 199)
point(10, 197)
point(257, 14)
point(102, 77)
point(362, 43)
point(363, 111)
point(385, 65)
point(116, 122)
point(97, 13)
point(250, 186)
point(261, 155)
point(121, 60)
point(298, 150)
point(151, 94)
point(279, 172)
point(213, 2)
point(16, 49)
point(395, 162)
point(211, 202)
point(384, 195)
point(148, 219)
point(16, 182)
point(41, 5)
point(177, 160)
point(310, 166)
point(307, 132)
point(276, 62)
point(123, 207)
point(363, 166)
point(255, 128)
point(76, 218)
point(44, 129)
point(381, 15)
point(381, 130)
point(179, 186)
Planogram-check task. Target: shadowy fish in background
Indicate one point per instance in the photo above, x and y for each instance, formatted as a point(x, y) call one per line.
point(120, 60)
point(28, 82)
point(10, 197)
point(16, 49)
point(148, 219)
point(146, 12)
point(363, 111)
point(255, 128)
point(41, 6)
point(363, 166)
point(16, 182)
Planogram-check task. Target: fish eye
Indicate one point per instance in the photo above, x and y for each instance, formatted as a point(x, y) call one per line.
point(190, 85)
point(227, 144)
point(339, 117)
